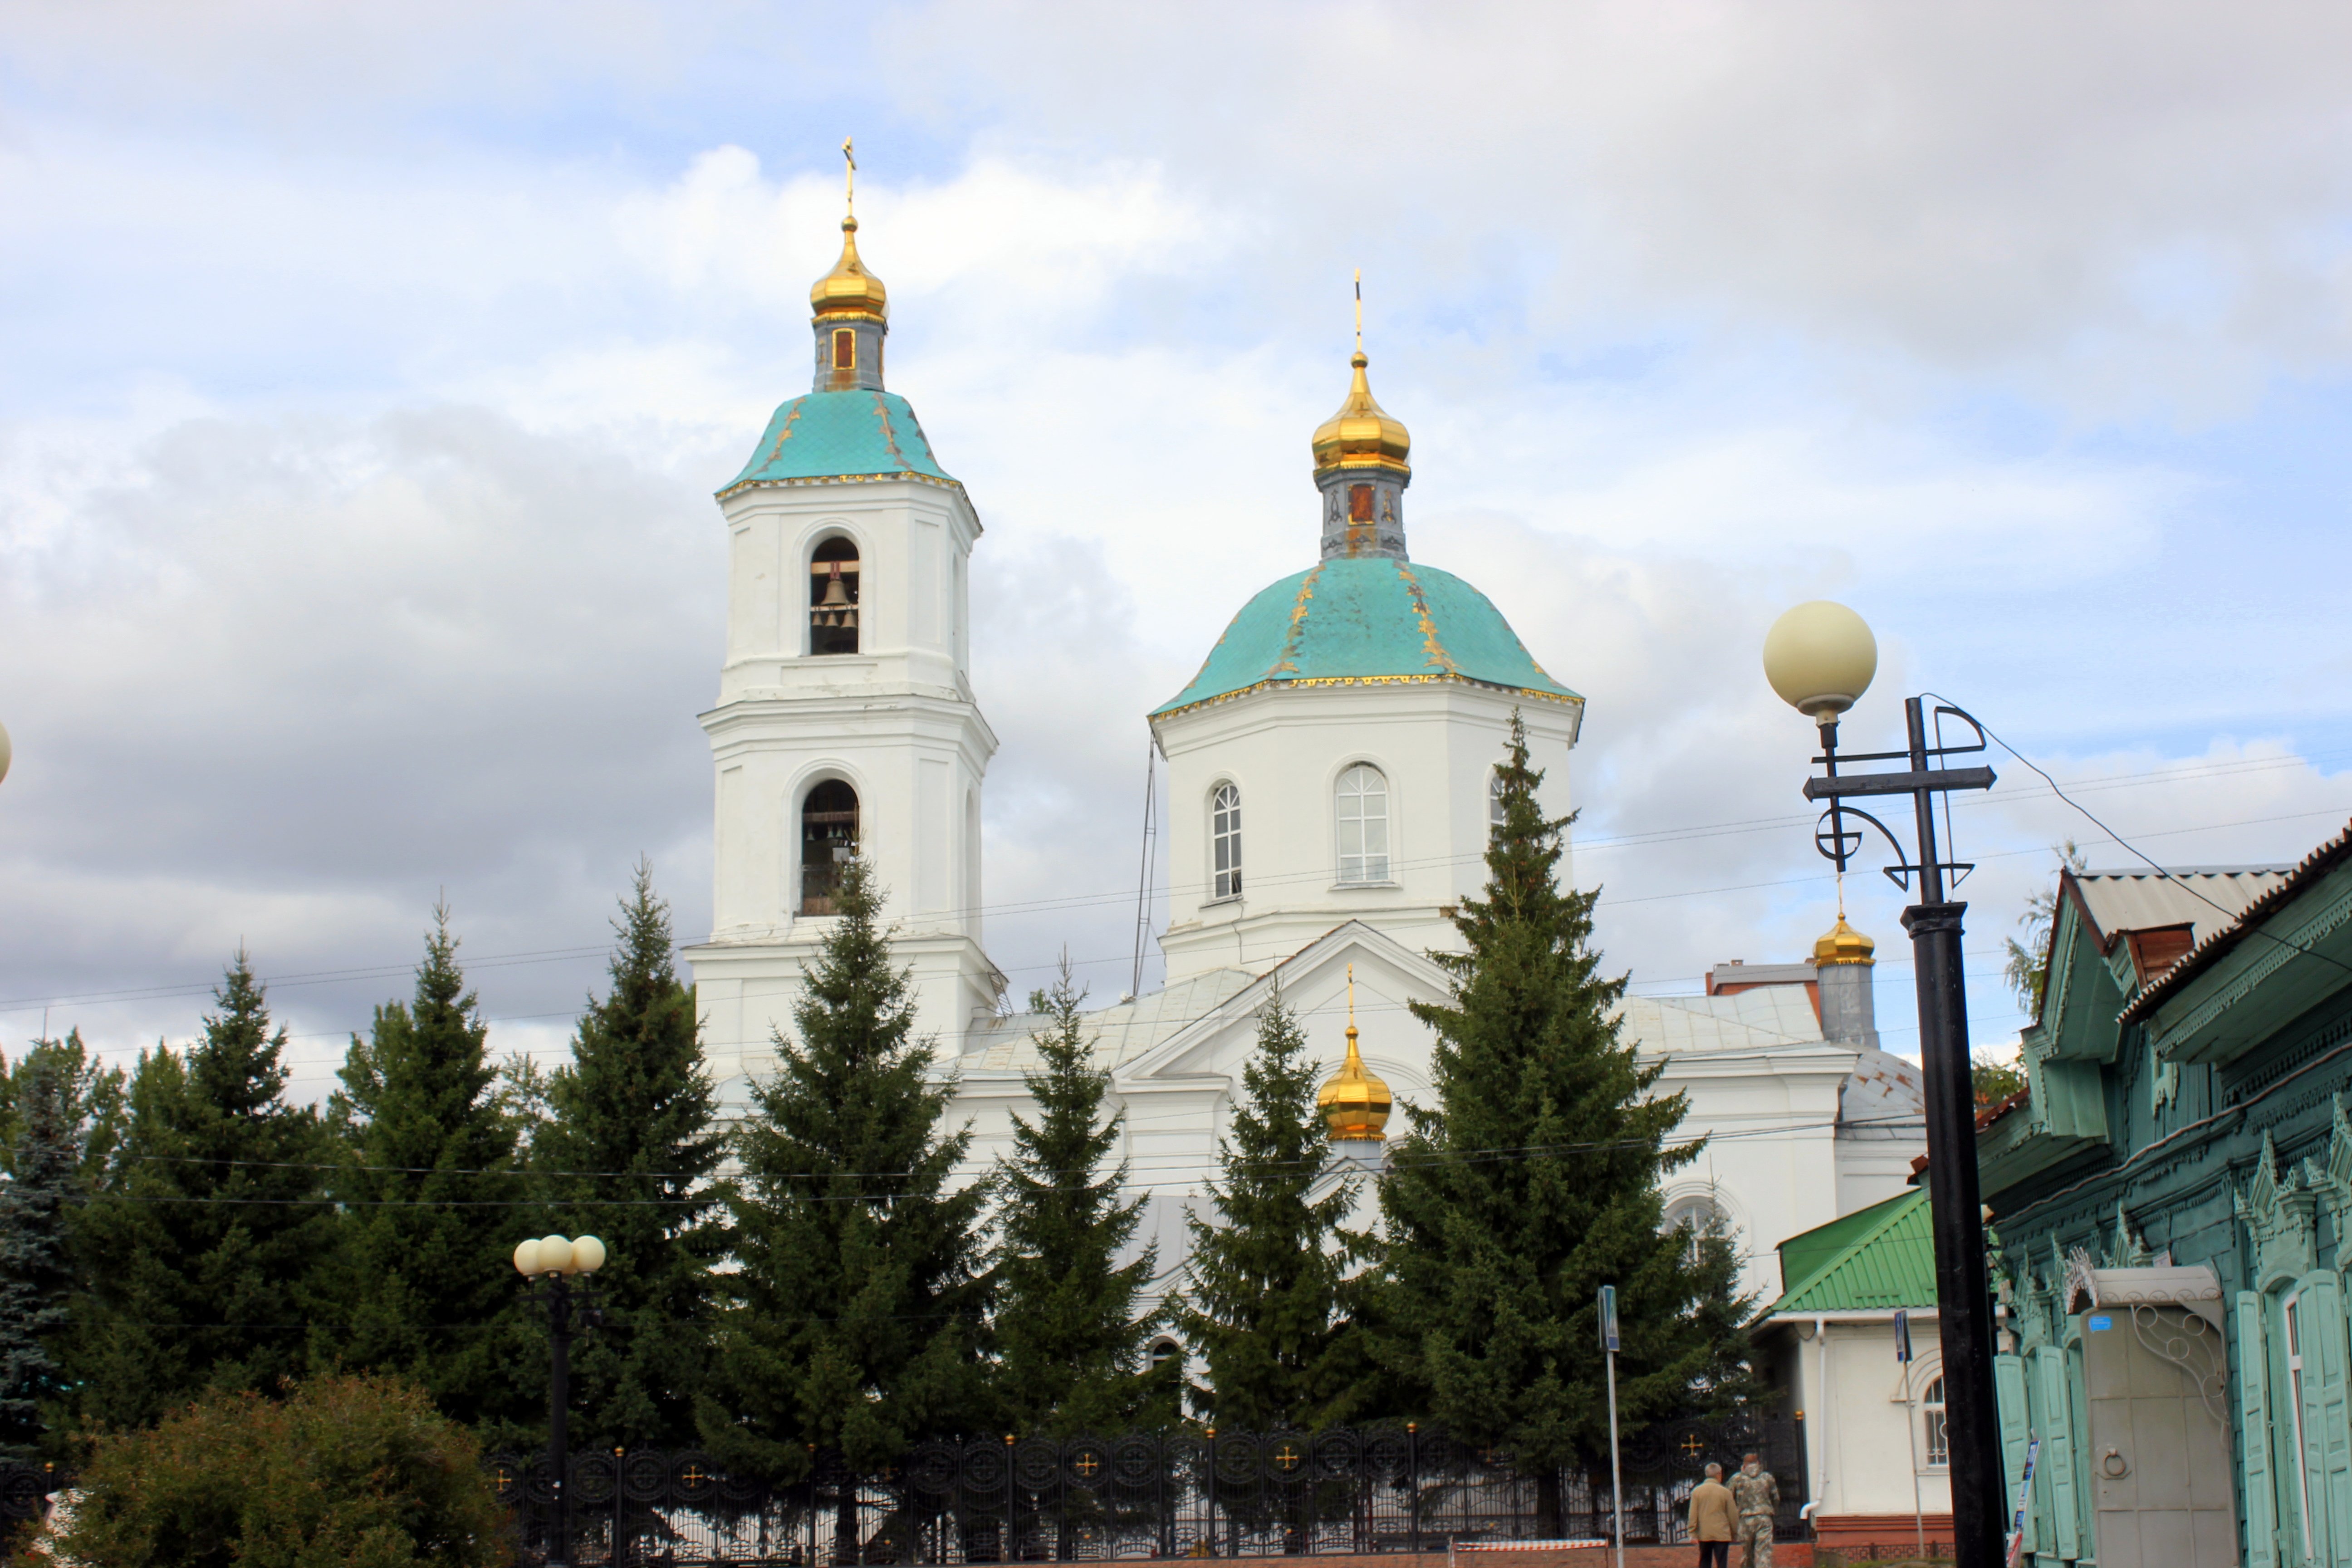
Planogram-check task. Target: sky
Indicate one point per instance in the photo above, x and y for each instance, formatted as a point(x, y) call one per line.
point(368, 372)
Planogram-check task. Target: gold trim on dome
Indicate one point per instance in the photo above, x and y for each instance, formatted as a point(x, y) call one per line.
point(955, 484)
point(1844, 944)
point(1362, 435)
point(1371, 681)
point(1354, 1102)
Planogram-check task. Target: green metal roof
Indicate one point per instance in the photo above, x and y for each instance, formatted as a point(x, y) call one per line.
point(1365, 620)
point(1875, 1260)
point(842, 435)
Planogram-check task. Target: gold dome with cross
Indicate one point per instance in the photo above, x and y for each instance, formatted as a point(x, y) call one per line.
point(1354, 1102)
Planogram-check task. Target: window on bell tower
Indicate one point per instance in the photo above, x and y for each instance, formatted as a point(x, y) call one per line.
point(1360, 503)
point(828, 838)
point(844, 349)
point(833, 597)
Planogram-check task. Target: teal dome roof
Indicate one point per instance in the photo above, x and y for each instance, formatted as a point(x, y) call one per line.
point(859, 435)
point(1365, 620)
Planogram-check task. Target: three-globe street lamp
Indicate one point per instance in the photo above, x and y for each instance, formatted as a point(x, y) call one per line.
point(1821, 658)
point(554, 1260)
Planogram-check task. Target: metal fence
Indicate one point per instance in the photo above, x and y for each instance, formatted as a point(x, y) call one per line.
point(1145, 1495)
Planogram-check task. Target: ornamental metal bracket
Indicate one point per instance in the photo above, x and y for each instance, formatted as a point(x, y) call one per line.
point(1923, 778)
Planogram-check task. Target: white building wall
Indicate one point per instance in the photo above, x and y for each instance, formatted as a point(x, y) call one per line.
point(1864, 1419)
point(1435, 743)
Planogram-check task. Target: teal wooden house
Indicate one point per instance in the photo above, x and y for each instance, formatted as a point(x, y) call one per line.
point(2168, 1197)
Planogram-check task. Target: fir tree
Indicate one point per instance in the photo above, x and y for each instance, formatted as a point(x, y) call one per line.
point(423, 1284)
point(200, 1252)
point(627, 1155)
point(1070, 1340)
point(859, 1302)
point(1534, 1180)
point(36, 1269)
point(1266, 1303)
point(95, 1100)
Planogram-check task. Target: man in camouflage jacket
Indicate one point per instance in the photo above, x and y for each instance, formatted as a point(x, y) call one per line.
point(1757, 1496)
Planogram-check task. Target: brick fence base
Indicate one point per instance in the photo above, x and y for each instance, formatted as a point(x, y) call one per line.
point(1785, 1554)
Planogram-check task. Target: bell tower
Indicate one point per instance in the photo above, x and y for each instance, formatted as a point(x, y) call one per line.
point(846, 723)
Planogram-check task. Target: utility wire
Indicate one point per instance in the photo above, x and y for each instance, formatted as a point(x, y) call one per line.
point(2234, 916)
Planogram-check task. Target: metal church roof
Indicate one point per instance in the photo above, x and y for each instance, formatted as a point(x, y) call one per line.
point(1875, 1260)
point(1365, 620)
point(859, 435)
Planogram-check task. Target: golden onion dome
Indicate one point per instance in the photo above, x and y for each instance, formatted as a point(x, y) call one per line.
point(849, 292)
point(1354, 1102)
point(1844, 944)
point(1361, 434)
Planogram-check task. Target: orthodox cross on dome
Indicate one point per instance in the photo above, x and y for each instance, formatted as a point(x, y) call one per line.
point(1360, 465)
point(850, 309)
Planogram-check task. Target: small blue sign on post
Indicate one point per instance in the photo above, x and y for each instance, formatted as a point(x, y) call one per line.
point(1608, 1317)
point(1901, 1335)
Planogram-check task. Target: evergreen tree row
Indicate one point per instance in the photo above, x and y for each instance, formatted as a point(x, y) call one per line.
point(824, 1274)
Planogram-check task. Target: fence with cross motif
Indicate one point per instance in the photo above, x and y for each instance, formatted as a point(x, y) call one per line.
point(1184, 1494)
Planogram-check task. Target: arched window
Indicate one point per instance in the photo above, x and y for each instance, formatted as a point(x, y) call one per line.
point(1165, 1350)
point(1225, 839)
point(1695, 1216)
point(1363, 817)
point(828, 838)
point(833, 597)
point(1931, 1416)
point(1495, 812)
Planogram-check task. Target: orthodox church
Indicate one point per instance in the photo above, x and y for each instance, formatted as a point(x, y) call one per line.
point(1331, 779)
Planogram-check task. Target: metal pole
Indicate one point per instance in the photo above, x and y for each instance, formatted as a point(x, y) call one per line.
point(1963, 1292)
point(1616, 1474)
point(559, 1391)
point(1911, 1431)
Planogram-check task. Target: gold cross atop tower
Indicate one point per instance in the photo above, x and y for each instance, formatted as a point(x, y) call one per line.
point(849, 191)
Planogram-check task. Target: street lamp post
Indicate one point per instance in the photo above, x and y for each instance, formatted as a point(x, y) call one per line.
point(1821, 657)
point(554, 1260)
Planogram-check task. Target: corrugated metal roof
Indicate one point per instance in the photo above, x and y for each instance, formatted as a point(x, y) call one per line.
point(2139, 901)
point(1120, 1033)
point(1886, 1264)
point(2314, 865)
point(1767, 1017)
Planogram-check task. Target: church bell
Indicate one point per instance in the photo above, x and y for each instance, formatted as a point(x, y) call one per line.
point(835, 609)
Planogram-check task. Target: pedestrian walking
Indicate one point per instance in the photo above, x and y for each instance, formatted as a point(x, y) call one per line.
point(1714, 1519)
point(1757, 1497)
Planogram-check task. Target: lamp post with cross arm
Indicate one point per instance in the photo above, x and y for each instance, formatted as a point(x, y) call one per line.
point(1821, 657)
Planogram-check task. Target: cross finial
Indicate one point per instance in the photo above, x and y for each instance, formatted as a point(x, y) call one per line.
point(1359, 349)
point(1352, 1000)
point(849, 176)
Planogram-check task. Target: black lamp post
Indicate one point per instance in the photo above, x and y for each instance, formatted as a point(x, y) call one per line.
point(1820, 658)
point(554, 1260)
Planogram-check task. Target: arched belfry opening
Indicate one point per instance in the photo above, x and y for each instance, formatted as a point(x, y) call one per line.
point(833, 597)
point(828, 838)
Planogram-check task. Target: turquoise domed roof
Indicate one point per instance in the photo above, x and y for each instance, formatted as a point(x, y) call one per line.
point(1367, 620)
point(858, 434)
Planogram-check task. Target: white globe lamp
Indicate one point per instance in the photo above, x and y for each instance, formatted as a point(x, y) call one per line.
point(1820, 657)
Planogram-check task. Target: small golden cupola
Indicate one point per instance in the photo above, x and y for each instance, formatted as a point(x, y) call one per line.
point(1844, 944)
point(1354, 1102)
point(1361, 467)
point(851, 309)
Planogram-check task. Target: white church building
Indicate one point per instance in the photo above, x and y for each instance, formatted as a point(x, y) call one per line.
point(1330, 774)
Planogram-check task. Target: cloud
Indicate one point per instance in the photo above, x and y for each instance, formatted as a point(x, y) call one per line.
point(355, 535)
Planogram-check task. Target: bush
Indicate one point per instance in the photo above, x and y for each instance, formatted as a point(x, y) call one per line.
point(355, 1472)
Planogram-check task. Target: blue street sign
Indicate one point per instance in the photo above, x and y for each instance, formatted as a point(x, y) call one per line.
point(1608, 1317)
point(1902, 1336)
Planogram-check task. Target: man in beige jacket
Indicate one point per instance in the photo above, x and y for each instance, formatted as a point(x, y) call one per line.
point(1714, 1519)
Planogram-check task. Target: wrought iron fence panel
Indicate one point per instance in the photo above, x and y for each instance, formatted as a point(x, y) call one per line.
point(1143, 1495)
